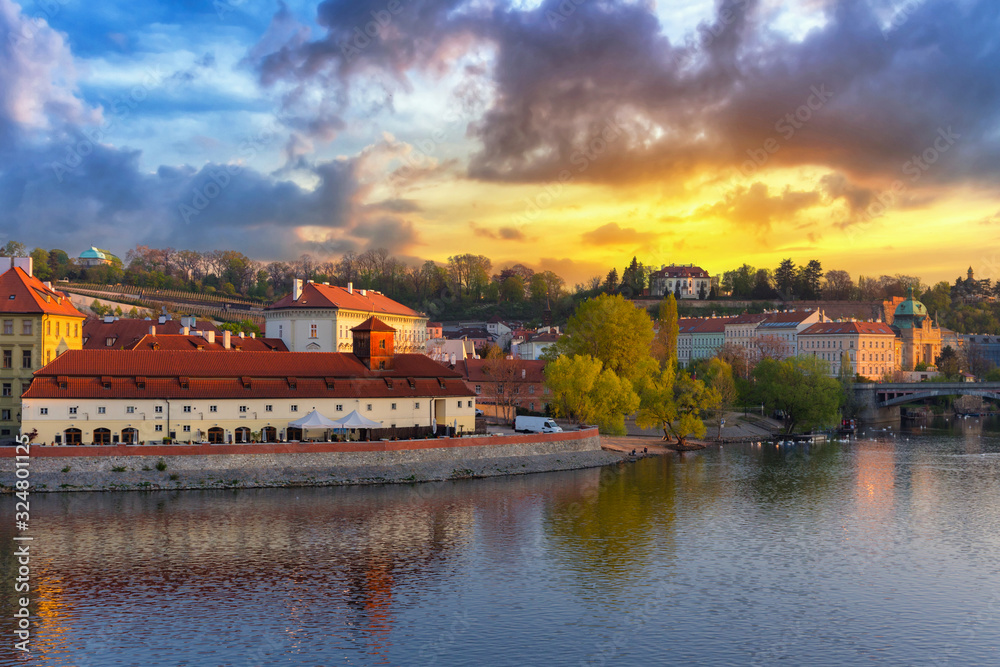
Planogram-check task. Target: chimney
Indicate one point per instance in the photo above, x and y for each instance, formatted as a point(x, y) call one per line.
point(253, 335)
point(162, 319)
point(226, 337)
point(185, 331)
point(363, 292)
point(24, 263)
point(152, 331)
point(350, 288)
point(48, 284)
point(210, 336)
point(242, 335)
point(296, 289)
point(451, 359)
point(524, 373)
point(108, 319)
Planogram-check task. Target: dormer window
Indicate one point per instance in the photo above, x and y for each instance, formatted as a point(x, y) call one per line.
point(329, 383)
point(388, 382)
point(412, 384)
point(63, 381)
point(185, 383)
point(292, 383)
point(140, 383)
point(246, 382)
point(106, 382)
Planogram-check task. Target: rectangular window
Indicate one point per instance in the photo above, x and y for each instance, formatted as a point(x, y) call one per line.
point(130, 409)
point(470, 405)
point(8, 358)
point(72, 411)
point(158, 409)
point(313, 331)
point(25, 358)
point(43, 411)
point(479, 389)
point(158, 428)
point(268, 408)
point(243, 408)
point(369, 407)
point(7, 389)
point(187, 428)
point(294, 408)
point(460, 404)
point(8, 327)
point(5, 415)
point(101, 410)
point(340, 408)
point(393, 406)
point(26, 327)
point(25, 386)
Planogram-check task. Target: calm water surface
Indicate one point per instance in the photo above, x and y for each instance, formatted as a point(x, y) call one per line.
point(884, 551)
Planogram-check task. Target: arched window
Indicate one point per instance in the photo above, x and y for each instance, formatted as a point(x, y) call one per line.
point(73, 436)
point(102, 436)
point(130, 436)
point(242, 434)
point(216, 435)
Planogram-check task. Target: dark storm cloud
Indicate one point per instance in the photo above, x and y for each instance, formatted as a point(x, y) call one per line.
point(847, 96)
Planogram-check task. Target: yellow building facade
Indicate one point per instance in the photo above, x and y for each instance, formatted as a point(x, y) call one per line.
point(37, 324)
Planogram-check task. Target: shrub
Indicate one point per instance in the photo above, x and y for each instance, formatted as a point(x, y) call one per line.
point(66, 469)
point(161, 465)
point(118, 469)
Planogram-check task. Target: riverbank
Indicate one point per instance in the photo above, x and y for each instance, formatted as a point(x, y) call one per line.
point(174, 467)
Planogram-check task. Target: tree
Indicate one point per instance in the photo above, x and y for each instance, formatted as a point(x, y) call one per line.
point(583, 390)
point(504, 373)
point(674, 404)
point(762, 288)
point(948, 363)
point(13, 249)
point(613, 331)
point(664, 347)
point(850, 405)
point(784, 279)
point(737, 357)
point(976, 359)
point(740, 283)
point(838, 285)
point(801, 388)
point(246, 326)
point(808, 280)
point(633, 279)
point(611, 282)
point(512, 289)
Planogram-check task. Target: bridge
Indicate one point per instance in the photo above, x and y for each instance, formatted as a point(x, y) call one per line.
point(881, 401)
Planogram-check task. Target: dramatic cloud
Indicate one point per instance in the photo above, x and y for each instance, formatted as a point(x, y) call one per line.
point(613, 234)
point(501, 233)
point(756, 208)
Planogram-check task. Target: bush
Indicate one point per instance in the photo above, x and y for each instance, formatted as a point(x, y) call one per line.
point(118, 469)
point(161, 465)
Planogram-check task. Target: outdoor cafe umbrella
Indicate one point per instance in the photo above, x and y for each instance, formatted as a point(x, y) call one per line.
point(313, 420)
point(354, 420)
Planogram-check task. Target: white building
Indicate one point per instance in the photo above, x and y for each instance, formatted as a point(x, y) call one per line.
point(319, 317)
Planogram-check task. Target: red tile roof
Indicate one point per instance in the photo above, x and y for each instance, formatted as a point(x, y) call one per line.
point(176, 342)
point(473, 370)
point(21, 293)
point(834, 328)
point(748, 318)
point(128, 332)
point(788, 317)
point(315, 295)
point(221, 374)
point(373, 324)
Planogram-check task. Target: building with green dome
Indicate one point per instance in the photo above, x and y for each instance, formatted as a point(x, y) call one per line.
point(94, 256)
point(919, 336)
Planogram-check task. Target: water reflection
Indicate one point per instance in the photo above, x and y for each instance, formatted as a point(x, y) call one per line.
point(726, 556)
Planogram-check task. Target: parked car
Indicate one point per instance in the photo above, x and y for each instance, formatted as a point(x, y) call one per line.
point(524, 424)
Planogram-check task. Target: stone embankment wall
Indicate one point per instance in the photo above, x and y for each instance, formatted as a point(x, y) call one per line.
point(150, 467)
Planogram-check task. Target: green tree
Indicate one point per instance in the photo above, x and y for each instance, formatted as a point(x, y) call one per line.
point(581, 389)
point(40, 264)
point(809, 278)
point(948, 363)
point(13, 249)
point(784, 278)
point(512, 289)
point(674, 404)
point(801, 388)
point(612, 330)
point(664, 348)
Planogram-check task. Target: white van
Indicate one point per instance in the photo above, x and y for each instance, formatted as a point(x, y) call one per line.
point(523, 424)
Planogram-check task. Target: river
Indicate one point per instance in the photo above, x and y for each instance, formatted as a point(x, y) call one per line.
point(881, 551)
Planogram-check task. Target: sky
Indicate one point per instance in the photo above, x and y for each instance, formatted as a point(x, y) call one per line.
point(567, 135)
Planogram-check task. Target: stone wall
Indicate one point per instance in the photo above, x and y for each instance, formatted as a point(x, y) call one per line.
point(291, 464)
